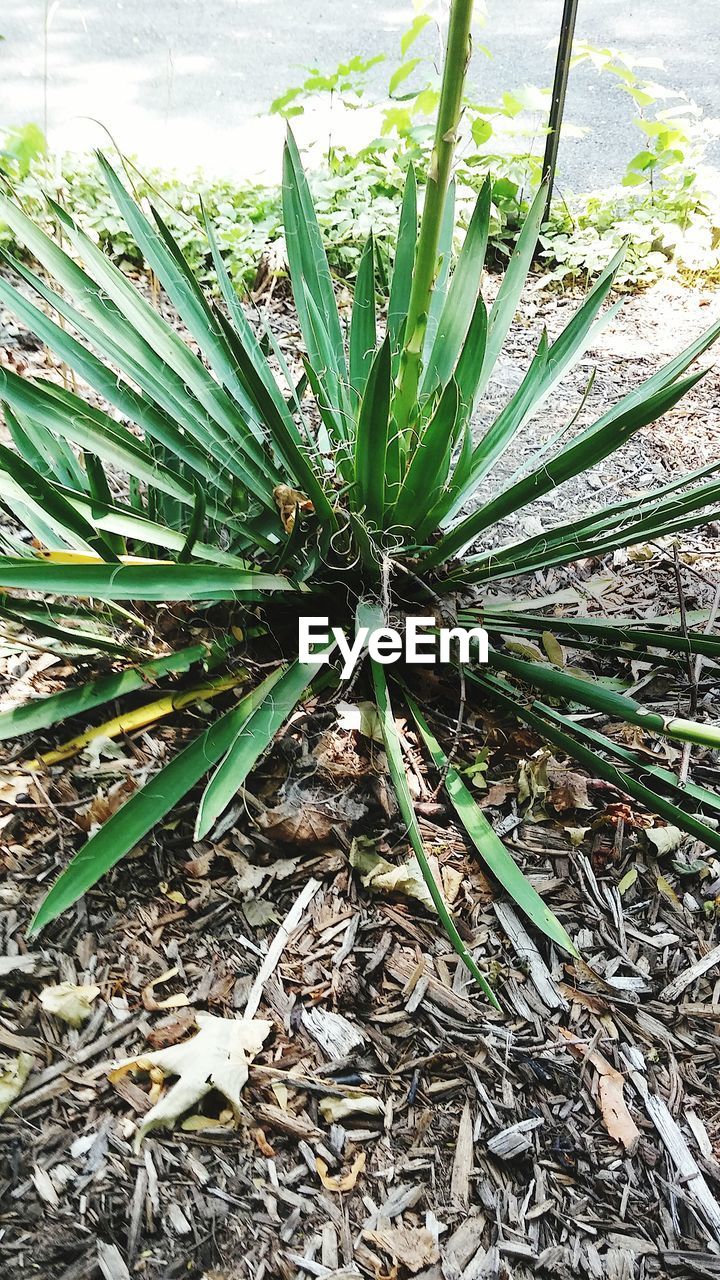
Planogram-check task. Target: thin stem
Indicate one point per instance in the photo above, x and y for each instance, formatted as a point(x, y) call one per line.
point(457, 57)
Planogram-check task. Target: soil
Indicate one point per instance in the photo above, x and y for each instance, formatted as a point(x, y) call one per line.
point(392, 1124)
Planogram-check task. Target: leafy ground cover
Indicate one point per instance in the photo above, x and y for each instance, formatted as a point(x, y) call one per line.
point(663, 209)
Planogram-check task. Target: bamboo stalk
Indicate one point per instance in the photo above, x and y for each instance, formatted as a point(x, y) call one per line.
point(457, 57)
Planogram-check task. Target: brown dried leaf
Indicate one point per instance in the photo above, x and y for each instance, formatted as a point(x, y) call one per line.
point(496, 794)
point(104, 805)
point(611, 1099)
point(292, 824)
point(414, 1247)
point(567, 789)
point(340, 1182)
point(175, 1001)
point(289, 502)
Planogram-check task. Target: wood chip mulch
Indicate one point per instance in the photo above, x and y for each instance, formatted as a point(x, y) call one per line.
point(393, 1125)
point(489, 1152)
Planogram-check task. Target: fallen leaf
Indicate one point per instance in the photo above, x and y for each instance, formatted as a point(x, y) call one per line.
point(566, 788)
point(258, 912)
point(496, 794)
point(362, 717)
point(262, 1143)
point(173, 895)
point(615, 813)
point(664, 839)
point(13, 1074)
point(616, 1117)
point(365, 1104)
point(175, 1001)
point(635, 738)
point(216, 1058)
point(611, 1099)
point(198, 1123)
point(381, 876)
point(643, 551)
point(452, 880)
point(340, 1182)
point(553, 649)
point(290, 823)
point(627, 881)
point(524, 649)
point(413, 1247)
point(102, 747)
point(532, 785)
point(199, 867)
point(667, 891)
point(342, 755)
point(249, 877)
point(13, 785)
point(104, 805)
point(69, 1003)
point(576, 834)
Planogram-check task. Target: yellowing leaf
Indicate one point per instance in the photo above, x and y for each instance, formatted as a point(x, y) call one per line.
point(197, 1123)
point(381, 876)
point(553, 649)
point(627, 881)
point(643, 551)
point(667, 891)
point(216, 1058)
point(340, 1182)
point(532, 784)
point(576, 834)
point(524, 649)
point(13, 1074)
point(69, 1003)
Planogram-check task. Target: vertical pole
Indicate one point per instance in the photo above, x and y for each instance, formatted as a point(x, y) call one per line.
point(457, 57)
point(557, 106)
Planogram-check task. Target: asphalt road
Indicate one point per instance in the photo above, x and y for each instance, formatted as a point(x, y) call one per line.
point(185, 82)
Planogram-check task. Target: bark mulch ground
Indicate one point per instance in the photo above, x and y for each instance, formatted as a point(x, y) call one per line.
point(392, 1124)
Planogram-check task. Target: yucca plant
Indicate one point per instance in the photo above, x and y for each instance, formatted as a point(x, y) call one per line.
point(357, 490)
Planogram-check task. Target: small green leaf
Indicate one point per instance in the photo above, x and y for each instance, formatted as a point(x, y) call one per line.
point(403, 72)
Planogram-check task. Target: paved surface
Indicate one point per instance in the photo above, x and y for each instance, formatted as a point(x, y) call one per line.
point(184, 82)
